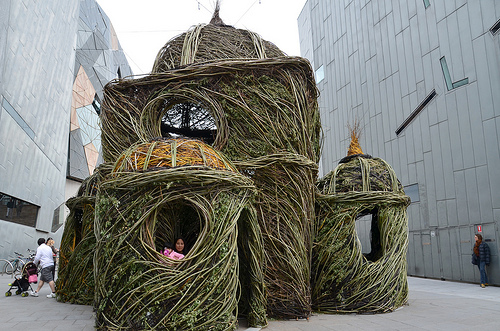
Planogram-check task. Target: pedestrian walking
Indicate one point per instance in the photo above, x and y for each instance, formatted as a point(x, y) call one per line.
point(55, 251)
point(44, 257)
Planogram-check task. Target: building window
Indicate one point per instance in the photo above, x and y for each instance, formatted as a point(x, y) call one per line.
point(494, 29)
point(447, 76)
point(461, 82)
point(58, 219)
point(17, 211)
point(427, 3)
point(417, 110)
point(446, 73)
point(412, 192)
point(320, 74)
point(19, 120)
point(97, 104)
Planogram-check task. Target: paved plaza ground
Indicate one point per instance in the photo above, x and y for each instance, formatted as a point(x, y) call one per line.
point(433, 305)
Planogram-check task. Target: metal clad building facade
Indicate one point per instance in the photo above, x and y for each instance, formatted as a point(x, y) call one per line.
point(423, 79)
point(55, 58)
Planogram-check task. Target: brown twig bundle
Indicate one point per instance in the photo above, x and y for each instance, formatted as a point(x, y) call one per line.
point(170, 153)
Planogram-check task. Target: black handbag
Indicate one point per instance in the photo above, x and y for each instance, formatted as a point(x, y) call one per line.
point(475, 259)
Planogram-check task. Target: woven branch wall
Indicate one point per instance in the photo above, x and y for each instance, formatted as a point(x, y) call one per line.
point(139, 288)
point(75, 280)
point(259, 107)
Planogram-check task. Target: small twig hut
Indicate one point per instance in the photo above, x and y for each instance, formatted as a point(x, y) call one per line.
point(345, 280)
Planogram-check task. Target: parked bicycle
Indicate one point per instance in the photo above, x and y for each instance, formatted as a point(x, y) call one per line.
point(16, 265)
point(5, 265)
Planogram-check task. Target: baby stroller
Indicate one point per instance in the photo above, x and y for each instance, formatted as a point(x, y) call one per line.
point(28, 277)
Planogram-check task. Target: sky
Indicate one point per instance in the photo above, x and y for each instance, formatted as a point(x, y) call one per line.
point(145, 26)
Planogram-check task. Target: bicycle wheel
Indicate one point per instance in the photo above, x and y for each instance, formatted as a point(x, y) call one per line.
point(6, 267)
point(18, 266)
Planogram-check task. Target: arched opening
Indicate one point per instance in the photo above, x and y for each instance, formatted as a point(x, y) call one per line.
point(188, 119)
point(174, 221)
point(368, 233)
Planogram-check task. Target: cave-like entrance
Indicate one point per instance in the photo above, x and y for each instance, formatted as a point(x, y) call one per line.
point(177, 220)
point(368, 232)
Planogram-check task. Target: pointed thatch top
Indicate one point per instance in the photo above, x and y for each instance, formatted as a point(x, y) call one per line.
point(216, 20)
point(354, 147)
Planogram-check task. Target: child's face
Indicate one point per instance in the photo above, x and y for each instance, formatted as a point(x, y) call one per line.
point(179, 245)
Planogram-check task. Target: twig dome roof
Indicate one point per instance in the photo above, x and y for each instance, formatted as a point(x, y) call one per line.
point(213, 41)
point(171, 153)
point(359, 172)
point(362, 173)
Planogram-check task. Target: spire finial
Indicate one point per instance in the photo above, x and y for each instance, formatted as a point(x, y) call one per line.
point(216, 20)
point(355, 131)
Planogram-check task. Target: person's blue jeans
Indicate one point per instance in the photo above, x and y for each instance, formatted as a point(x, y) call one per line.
point(482, 272)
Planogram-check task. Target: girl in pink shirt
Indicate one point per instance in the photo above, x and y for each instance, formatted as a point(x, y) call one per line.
point(169, 252)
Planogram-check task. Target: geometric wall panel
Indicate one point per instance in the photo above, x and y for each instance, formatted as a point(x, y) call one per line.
point(98, 59)
point(85, 136)
point(83, 91)
point(92, 155)
point(89, 125)
point(78, 166)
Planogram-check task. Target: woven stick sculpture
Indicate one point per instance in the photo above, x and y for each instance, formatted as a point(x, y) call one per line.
point(267, 122)
point(220, 144)
point(345, 280)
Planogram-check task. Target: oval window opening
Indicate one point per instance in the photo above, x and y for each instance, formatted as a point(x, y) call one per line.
point(368, 233)
point(191, 120)
point(177, 221)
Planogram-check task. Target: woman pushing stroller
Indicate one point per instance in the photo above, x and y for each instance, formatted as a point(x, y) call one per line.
point(44, 256)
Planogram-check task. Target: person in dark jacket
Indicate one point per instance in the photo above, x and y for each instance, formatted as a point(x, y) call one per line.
point(482, 251)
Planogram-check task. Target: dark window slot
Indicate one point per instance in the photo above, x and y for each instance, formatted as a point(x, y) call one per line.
point(495, 27)
point(414, 113)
